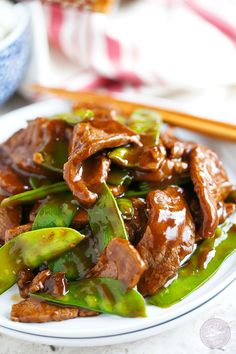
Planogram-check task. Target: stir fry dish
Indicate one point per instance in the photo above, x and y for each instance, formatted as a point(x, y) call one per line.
point(102, 213)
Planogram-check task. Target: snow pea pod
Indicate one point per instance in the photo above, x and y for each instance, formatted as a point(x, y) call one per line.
point(126, 207)
point(78, 261)
point(105, 219)
point(36, 194)
point(31, 249)
point(57, 211)
point(147, 124)
point(36, 182)
point(75, 117)
point(53, 156)
point(103, 295)
point(119, 176)
point(105, 222)
point(202, 265)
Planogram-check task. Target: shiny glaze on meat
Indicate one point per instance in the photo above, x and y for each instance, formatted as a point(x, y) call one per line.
point(168, 238)
point(119, 260)
point(211, 185)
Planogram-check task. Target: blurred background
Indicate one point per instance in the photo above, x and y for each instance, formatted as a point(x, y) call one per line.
point(183, 50)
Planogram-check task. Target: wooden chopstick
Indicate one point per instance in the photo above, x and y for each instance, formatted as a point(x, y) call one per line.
point(216, 129)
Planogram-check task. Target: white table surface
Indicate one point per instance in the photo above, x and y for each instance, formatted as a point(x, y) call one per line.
point(181, 340)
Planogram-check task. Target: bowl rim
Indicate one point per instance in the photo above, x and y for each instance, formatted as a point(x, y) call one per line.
point(23, 14)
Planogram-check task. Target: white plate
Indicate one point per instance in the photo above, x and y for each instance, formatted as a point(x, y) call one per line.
point(107, 329)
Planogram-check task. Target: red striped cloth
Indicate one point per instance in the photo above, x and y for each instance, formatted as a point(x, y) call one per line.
point(148, 45)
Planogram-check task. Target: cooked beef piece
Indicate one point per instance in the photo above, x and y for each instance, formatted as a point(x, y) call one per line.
point(151, 157)
point(95, 171)
point(89, 138)
point(34, 210)
point(225, 210)
point(33, 310)
point(87, 313)
point(53, 283)
point(137, 224)
point(120, 260)
point(211, 185)
point(10, 181)
point(39, 134)
point(169, 171)
point(9, 218)
point(80, 219)
point(168, 239)
point(17, 230)
point(145, 158)
point(117, 190)
point(24, 280)
point(177, 148)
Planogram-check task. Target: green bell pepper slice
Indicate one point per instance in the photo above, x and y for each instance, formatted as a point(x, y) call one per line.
point(31, 249)
point(105, 219)
point(202, 265)
point(103, 295)
point(57, 211)
point(36, 194)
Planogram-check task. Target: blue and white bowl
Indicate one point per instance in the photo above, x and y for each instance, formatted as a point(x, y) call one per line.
point(15, 52)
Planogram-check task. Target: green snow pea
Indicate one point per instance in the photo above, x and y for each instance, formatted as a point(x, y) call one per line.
point(75, 117)
point(54, 155)
point(57, 211)
point(103, 295)
point(202, 265)
point(119, 176)
point(31, 249)
point(78, 261)
point(105, 219)
point(126, 207)
point(106, 222)
point(36, 194)
point(147, 124)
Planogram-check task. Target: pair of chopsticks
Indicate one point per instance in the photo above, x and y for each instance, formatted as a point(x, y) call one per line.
point(216, 129)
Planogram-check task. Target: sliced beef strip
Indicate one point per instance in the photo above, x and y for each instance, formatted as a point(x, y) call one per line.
point(24, 280)
point(9, 218)
point(95, 171)
point(11, 182)
point(137, 224)
point(211, 185)
point(177, 148)
point(169, 171)
point(117, 190)
point(53, 283)
point(168, 239)
point(33, 310)
point(49, 282)
point(80, 219)
point(120, 260)
point(24, 144)
point(88, 139)
point(17, 230)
